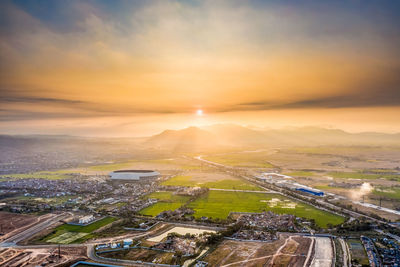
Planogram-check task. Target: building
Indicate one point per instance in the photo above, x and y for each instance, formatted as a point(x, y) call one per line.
point(315, 193)
point(128, 242)
point(86, 219)
point(133, 175)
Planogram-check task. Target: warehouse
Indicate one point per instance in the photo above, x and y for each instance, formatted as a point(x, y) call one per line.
point(315, 193)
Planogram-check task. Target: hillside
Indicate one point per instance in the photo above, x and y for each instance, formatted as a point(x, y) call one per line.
point(188, 139)
point(229, 135)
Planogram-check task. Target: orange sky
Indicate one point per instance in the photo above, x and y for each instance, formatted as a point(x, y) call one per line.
point(86, 68)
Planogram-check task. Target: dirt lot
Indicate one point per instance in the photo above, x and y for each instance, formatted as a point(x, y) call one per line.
point(35, 257)
point(286, 251)
point(145, 255)
point(11, 221)
point(323, 252)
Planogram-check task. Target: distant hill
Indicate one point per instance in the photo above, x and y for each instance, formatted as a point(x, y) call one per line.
point(230, 135)
point(192, 139)
point(188, 139)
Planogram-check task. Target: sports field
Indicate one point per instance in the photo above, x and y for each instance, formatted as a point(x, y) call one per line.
point(225, 183)
point(66, 233)
point(218, 204)
point(167, 201)
point(67, 238)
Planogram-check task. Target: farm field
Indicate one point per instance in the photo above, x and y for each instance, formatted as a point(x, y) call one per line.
point(388, 192)
point(218, 204)
point(167, 201)
point(49, 175)
point(51, 200)
point(300, 173)
point(67, 234)
point(158, 164)
point(227, 182)
point(357, 251)
point(12, 221)
point(242, 159)
point(363, 175)
point(371, 160)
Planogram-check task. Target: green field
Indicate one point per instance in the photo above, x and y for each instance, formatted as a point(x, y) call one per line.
point(300, 173)
point(250, 159)
point(362, 175)
point(167, 201)
point(49, 175)
point(237, 184)
point(66, 233)
point(67, 238)
point(218, 204)
point(357, 251)
point(112, 166)
point(388, 192)
point(132, 163)
point(51, 200)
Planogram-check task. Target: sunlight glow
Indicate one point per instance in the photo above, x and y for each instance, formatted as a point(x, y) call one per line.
point(199, 112)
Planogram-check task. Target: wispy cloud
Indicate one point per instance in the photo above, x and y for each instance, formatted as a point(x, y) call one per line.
point(39, 100)
point(133, 58)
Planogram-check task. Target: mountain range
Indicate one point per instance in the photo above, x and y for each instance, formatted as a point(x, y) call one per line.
point(196, 139)
point(235, 136)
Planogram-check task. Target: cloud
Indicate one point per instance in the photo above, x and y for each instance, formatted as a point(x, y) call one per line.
point(330, 102)
point(42, 100)
point(143, 57)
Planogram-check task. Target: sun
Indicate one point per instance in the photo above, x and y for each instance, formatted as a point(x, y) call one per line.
point(199, 112)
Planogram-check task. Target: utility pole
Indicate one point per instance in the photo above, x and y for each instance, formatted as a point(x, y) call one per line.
point(380, 201)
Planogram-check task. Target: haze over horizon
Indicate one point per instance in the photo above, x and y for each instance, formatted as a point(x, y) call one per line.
point(136, 68)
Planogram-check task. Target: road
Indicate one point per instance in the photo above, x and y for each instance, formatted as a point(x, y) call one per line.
point(389, 234)
point(310, 250)
point(346, 252)
point(34, 230)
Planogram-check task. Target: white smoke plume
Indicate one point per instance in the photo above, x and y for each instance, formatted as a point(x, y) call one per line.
point(364, 189)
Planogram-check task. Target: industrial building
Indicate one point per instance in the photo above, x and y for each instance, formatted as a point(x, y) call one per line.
point(315, 193)
point(86, 219)
point(133, 175)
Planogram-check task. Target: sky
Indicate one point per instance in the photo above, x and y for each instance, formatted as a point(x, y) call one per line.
point(135, 68)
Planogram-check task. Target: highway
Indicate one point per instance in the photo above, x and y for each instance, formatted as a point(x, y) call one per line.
point(33, 230)
point(346, 252)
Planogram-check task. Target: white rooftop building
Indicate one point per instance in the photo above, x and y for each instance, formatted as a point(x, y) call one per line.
point(86, 219)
